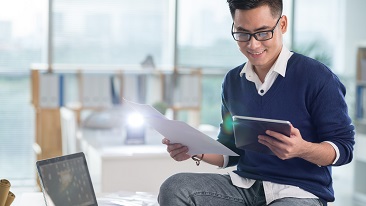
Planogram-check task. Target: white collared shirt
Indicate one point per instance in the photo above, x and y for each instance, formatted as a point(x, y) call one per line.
point(273, 191)
point(278, 68)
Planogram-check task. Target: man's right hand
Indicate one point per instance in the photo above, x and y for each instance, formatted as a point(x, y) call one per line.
point(177, 151)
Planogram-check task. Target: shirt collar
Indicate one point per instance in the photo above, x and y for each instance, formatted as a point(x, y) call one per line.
point(279, 66)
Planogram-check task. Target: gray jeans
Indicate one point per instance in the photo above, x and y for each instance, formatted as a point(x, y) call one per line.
point(216, 189)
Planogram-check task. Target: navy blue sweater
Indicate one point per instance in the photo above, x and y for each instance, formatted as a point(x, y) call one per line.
point(311, 97)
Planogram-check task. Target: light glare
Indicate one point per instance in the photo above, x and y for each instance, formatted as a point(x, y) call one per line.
point(135, 120)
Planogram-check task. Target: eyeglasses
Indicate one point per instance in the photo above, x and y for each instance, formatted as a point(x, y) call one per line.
point(259, 36)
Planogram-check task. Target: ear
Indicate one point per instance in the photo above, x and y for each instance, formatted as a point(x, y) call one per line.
point(283, 24)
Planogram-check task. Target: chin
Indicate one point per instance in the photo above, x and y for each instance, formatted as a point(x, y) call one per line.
point(257, 62)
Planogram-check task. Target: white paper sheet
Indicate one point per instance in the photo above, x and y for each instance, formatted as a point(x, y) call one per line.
point(180, 132)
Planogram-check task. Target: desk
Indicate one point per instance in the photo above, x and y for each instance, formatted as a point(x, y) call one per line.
point(36, 199)
point(115, 167)
point(30, 199)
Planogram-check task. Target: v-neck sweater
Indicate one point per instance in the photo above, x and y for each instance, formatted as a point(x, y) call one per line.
point(312, 98)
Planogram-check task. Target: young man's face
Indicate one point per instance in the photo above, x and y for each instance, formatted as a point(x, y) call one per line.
point(262, 54)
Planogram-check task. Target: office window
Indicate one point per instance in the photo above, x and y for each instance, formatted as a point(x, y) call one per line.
point(204, 37)
point(317, 30)
point(111, 32)
point(319, 33)
point(22, 42)
point(204, 40)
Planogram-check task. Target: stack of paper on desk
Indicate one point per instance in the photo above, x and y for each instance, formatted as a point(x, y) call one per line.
point(180, 132)
point(129, 199)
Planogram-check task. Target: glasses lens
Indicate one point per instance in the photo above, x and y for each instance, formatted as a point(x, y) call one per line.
point(262, 36)
point(241, 36)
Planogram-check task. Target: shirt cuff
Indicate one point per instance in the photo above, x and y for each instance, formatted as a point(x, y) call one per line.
point(335, 148)
point(226, 161)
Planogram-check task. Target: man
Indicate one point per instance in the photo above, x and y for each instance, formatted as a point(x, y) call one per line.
point(278, 84)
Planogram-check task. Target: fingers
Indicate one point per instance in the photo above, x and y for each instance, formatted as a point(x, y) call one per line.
point(295, 132)
point(179, 154)
point(277, 135)
point(282, 146)
point(268, 141)
point(165, 141)
point(174, 148)
point(177, 151)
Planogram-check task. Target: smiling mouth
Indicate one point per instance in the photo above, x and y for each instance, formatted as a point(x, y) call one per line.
point(256, 53)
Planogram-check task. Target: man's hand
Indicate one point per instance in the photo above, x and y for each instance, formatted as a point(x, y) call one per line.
point(285, 147)
point(177, 151)
point(282, 146)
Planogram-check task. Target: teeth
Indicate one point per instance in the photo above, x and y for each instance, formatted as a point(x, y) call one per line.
point(256, 53)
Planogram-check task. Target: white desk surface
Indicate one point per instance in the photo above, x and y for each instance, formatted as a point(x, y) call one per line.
point(110, 145)
point(128, 198)
point(29, 199)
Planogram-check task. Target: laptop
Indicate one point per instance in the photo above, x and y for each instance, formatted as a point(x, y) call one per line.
point(66, 181)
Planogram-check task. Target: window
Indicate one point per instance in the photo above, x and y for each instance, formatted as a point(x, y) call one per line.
point(22, 42)
point(204, 37)
point(324, 39)
point(111, 32)
point(317, 40)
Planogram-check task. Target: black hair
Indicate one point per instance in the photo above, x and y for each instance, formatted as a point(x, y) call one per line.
point(276, 6)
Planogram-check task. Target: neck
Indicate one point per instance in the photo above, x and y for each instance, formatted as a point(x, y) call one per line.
point(261, 72)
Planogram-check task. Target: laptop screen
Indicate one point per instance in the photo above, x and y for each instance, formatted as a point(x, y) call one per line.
point(66, 180)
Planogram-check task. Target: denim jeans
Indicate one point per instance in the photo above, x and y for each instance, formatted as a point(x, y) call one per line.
point(216, 189)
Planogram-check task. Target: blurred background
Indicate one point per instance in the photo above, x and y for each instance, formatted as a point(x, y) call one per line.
point(172, 54)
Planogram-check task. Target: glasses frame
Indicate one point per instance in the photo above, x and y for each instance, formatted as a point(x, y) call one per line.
point(255, 33)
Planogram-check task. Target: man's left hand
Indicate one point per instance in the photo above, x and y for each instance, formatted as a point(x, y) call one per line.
point(282, 146)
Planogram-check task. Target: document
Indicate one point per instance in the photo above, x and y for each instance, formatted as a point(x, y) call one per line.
point(180, 132)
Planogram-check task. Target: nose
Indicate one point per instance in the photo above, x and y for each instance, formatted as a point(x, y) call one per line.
point(253, 43)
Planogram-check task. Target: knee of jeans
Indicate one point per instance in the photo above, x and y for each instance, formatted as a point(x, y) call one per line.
point(173, 184)
point(174, 190)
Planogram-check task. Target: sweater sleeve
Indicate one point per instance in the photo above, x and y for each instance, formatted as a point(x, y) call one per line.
point(330, 115)
point(226, 133)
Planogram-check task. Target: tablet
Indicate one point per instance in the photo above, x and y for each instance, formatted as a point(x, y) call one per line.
point(247, 129)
